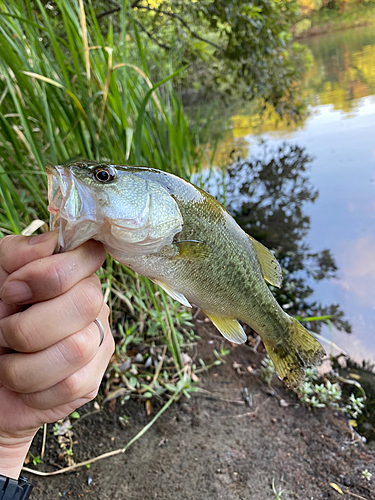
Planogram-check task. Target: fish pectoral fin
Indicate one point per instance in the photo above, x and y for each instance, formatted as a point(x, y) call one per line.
point(271, 269)
point(229, 328)
point(297, 351)
point(175, 295)
point(192, 250)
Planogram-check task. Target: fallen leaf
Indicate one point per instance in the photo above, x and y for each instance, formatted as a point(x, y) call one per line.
point(116, 393)
point(337, 488)
point(148, 407)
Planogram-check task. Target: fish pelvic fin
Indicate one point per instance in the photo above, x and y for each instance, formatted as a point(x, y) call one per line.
point(299, 351)
point(229, 328)
point(271, 269)
point(173, 293)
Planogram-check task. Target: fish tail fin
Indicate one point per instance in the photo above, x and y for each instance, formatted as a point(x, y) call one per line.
point(298, 351)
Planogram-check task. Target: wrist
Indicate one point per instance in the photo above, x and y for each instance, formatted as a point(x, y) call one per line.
point(12, 457)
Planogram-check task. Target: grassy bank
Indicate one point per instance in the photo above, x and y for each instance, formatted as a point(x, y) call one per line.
point(329, 20)
point(69, 89)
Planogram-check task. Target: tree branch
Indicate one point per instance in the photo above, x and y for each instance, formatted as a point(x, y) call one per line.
point(116, 9)
point(183, 22)
point(108, 12)
point(152, 37)
point(158, 11)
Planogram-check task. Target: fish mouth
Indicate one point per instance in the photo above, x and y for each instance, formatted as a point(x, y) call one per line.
point(55, 194)
point(56, 190)
point(71, 206)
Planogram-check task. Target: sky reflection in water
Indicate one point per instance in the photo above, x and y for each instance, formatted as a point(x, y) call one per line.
point(340, 135)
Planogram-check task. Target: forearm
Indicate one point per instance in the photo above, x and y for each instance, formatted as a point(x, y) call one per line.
point(12, 457)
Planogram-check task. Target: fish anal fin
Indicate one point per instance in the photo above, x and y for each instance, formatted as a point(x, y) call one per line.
point(270, 267)
point(192, 250)
point(173, 293)
point(229, 328)
point(298, 351)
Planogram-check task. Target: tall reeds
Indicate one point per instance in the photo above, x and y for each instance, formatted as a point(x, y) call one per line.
point(68, 91)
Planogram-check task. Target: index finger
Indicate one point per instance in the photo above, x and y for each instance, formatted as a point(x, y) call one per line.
point(17, 251)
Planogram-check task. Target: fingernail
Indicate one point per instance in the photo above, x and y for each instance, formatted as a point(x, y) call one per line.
point(42, 238)
point(15, 292)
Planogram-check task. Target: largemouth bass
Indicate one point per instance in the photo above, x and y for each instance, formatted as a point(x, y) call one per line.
point(184, 240)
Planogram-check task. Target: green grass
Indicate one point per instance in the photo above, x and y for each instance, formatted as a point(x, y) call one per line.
point(67, 91)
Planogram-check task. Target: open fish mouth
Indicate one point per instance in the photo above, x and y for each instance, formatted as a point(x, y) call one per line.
point(56, 191)
point(69, 203)
point(55, 195)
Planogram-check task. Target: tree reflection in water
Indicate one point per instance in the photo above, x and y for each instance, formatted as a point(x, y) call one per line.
point(267, 197)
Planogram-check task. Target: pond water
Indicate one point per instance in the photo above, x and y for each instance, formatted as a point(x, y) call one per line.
point(339, 134)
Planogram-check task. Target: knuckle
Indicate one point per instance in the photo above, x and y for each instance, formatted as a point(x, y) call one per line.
point(92, 394)
point(5, 242)
point(91, 300)
point(70, 388)
point(10, 376)
point(79, 348)
point(57, 276)
point(22, 334)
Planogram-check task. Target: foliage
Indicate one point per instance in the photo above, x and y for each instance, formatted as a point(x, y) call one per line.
point(318, 395)
point(366, 474)
point(234, 46)
point(267, 369)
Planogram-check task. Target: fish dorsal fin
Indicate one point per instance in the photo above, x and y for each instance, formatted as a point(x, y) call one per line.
point(270, 267)
point(175, 295)
point(192, 250)
point(229, 328)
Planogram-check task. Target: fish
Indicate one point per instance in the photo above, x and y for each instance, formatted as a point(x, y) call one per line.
point(179, 236)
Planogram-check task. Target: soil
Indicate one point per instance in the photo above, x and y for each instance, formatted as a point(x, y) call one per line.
point(214, 446)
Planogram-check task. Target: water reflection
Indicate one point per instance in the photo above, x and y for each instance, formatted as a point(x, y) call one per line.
point(342, 74)
point(339, 134)
point(343, 69)
point(267, 196)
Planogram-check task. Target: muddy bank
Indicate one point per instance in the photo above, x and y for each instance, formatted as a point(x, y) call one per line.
point(214, 446)
point(330, 28)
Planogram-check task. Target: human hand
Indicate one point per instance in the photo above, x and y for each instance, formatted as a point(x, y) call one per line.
point(50, 359)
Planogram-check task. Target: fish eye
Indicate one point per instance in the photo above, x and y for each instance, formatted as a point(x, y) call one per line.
point(104, 174)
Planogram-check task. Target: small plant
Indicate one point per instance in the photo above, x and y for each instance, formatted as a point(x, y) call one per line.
point(267, 369)
point(218, 361)
point(37, 460)
point(319, 395)
point(355, 406)
point(314, 395)
point(277, 493)
point(366, 474)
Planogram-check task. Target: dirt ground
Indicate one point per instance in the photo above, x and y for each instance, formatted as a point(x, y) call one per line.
point(214, 446)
